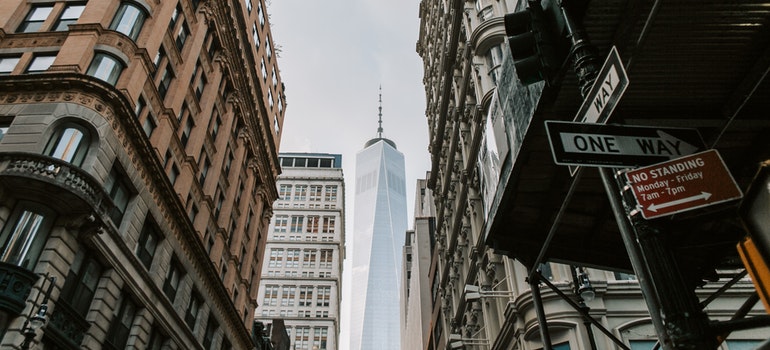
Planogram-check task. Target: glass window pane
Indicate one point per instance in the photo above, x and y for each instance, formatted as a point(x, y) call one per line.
point(69, 16)
point(7, 64)
point(105, 67)
point(128, 20)
point(41, 63)
point(17, 248)
point(35, 19)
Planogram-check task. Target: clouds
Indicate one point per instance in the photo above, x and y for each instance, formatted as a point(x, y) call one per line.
point(334, 55)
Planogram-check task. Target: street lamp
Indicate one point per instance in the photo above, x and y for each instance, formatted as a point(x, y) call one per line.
point(584, 288)
point(33, 323)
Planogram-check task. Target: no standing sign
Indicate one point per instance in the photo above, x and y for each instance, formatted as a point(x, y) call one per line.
point(682, 184)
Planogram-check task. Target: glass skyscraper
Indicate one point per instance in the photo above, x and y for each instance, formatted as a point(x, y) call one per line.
point(379, 227)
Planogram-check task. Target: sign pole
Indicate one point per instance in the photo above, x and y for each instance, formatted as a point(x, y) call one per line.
point(675, 313)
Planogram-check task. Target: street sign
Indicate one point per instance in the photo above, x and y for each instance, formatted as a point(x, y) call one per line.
point(617, 146)
point(611, 83)
point(682, 184)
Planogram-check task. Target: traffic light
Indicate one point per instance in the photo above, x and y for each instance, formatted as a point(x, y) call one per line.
point(533, 44)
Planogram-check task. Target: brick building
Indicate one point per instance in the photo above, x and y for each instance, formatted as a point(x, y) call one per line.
point(138, 164)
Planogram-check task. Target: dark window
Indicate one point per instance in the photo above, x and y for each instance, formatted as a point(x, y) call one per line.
point(200, 85)
point(120, 328)
point(175, 17)
point(82, 279)
point(5, 124)
point(69, 143)
point(129, 19)
point(211, 329)
point(69, 16)
point(149, 125)
point(25, 234)
point(204, 171)
point(188, 125)
point(35, 18)
point(173, 278)
point(148, 242)
point(157, 339)
point(105, 67)
point(181, 36)
point(120, 191)
point(165, 82)
point(193, 309)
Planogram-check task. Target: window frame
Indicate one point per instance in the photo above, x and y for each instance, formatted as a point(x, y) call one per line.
point(33, 243)
point(29, 25)
point(98, 67)
point(127, 23)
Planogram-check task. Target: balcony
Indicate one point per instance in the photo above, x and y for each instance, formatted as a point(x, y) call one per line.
point(67, 326)
point(15, 285)
point(59, 184)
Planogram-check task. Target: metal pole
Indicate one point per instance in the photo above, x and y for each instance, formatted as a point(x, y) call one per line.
point(545, 336)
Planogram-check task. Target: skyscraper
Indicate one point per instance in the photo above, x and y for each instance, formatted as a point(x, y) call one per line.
point(378, 237)
point(301, 281)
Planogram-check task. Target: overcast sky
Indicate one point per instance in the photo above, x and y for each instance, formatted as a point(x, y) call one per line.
point(333, 56)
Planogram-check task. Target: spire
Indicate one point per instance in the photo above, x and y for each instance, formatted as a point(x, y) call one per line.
point(379, 129)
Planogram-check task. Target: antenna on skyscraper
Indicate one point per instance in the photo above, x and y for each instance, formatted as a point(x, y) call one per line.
point(379, 129)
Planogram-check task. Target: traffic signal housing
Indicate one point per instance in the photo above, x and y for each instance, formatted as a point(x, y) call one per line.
point(533, 44)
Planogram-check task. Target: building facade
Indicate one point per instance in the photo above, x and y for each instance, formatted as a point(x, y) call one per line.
point(302, 277)
point(507, 215)
point(379, 226)
point(138, 165)
point(416, 299)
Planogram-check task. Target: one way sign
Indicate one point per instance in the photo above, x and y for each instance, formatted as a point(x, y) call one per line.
point(618, 145)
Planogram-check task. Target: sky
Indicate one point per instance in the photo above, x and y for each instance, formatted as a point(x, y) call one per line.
point(333, 57)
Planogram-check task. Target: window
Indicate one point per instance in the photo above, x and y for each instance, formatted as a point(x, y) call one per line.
point(24, 235)
point(276, 257)
point(41, 63)
point(331, 193)
point(263, 68)
point(69, 143)
point(105, 67)
point(149, 125)
point(261, 14)
point(292, 257)
point(159, 56)
point(312, 223)
point(315, 193)
point(255, 34)
point(248, 5)
point(296, 224)
point(642, 344)
point(8, 64)
point(165, 82)
point(120, 192)
point(5, 124)
point(305, 295)
point(211, 328)
point(175, 17)
point(284, 192)
point(205, 165)
point(173, 174)
point(327, 256)
point(320, 336)
point(308, 258)
point(128, 20)
point(329, 224)
point(193, 309)
point(301, 337)
point(173, 278)
point(281, 221)
point(188, 125)
point(300, 192)
point(69, 16)
point(324, 295)
point(268, 49)
point(215, 124)
point(35, 18)
point(157, 339)
point(120, 328)
point(148, 242)
point(181, 36)
point(271, 295)
point(80, 285)
point(200, 85)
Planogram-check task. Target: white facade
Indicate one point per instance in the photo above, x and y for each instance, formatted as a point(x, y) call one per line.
point(301, 275)
point(379, 227)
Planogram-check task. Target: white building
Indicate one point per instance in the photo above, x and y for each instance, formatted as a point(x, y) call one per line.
point(301, 279)
point(379, 227)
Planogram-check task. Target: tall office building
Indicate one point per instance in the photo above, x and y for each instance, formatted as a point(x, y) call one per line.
point(138, 166)
point(301, 281)
point(379, 226)
point(416, 299)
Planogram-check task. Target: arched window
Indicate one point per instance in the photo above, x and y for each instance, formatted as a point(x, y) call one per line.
point(69, 143)
point(105, 67)
point(129, 19)
point(25, 234)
